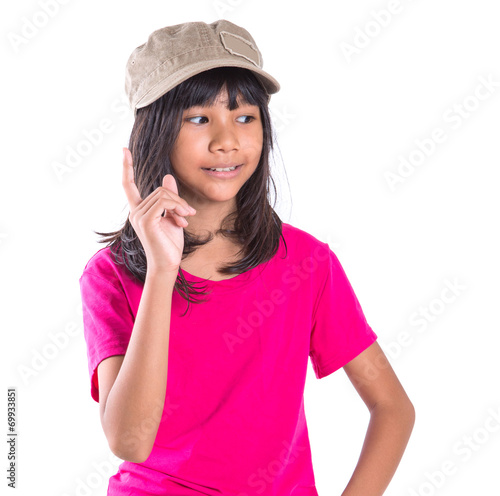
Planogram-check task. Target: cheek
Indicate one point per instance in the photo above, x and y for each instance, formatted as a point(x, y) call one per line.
point(260, 139)
point(258, 150)
point(178, 154)
point(255, 142)
point(189, 144)
point(174, 160)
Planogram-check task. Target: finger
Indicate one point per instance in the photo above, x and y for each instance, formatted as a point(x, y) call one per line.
point(160, 207)
point(133, 195)
point(170, 183)
point(157, 198)
point(179, 219)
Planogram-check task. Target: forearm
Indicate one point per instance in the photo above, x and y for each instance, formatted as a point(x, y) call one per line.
point(135, 402)
point(386, 439)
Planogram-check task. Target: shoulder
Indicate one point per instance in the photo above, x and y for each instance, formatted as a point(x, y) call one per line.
point(102, 265)
point(301, 244)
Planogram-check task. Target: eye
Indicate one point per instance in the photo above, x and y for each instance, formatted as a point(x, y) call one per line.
point(251, 118)
point(196, 117)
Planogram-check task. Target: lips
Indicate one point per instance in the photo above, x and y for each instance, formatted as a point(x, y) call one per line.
point(224, 174)
point(222, 166)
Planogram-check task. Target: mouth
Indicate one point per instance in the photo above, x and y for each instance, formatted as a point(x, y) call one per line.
point(223, 169)
point(223, 172)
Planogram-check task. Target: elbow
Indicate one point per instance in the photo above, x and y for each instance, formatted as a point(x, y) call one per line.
point(411, 413)
point(134, 455)
point(407, 414)
point(129, 449)
point(402, 409)
point(406, 409)
point(412, 410)
point(126, 444)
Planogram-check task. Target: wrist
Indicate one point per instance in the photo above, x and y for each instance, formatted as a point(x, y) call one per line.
point(161, 273)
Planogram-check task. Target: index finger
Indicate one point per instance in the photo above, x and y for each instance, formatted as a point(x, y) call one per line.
point(133, 195)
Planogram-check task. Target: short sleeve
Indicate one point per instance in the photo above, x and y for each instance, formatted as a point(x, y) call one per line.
point(107, 322)
point(340, 331)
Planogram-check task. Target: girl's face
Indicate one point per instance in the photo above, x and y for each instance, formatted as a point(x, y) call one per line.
point(216, 137)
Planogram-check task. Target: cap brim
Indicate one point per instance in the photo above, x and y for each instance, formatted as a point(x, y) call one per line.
point(165, 85)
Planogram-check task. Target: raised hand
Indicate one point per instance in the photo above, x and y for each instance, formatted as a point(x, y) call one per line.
point(158, 220)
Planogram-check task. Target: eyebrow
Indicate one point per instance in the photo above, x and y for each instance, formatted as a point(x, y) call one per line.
point(225, 103)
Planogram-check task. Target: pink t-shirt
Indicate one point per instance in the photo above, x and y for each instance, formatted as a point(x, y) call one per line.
point(233, 421)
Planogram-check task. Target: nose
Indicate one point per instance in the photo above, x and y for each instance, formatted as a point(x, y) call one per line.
point(224, 138)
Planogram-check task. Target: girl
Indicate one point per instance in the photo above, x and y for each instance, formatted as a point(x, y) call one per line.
point(208, 398)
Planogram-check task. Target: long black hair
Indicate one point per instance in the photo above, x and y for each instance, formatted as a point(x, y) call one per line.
point(257, 227)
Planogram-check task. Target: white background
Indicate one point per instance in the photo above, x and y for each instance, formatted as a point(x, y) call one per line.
point(343, 123)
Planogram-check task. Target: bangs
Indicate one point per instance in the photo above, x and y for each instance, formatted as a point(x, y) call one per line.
point(202, 89)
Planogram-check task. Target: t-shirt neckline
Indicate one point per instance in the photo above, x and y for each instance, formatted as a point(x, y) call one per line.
point(190, 276)
point(239, 280)
point(226, 284)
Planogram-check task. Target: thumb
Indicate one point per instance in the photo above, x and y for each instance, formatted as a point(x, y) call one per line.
point(170, 183)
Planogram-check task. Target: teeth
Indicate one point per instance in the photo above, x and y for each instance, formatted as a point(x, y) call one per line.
point(224, 170)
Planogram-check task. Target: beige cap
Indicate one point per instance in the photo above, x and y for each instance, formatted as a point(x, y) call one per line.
point(175, 53)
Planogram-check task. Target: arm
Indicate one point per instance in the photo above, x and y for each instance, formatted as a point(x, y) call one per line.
point(132, 388)
point(392, 417)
